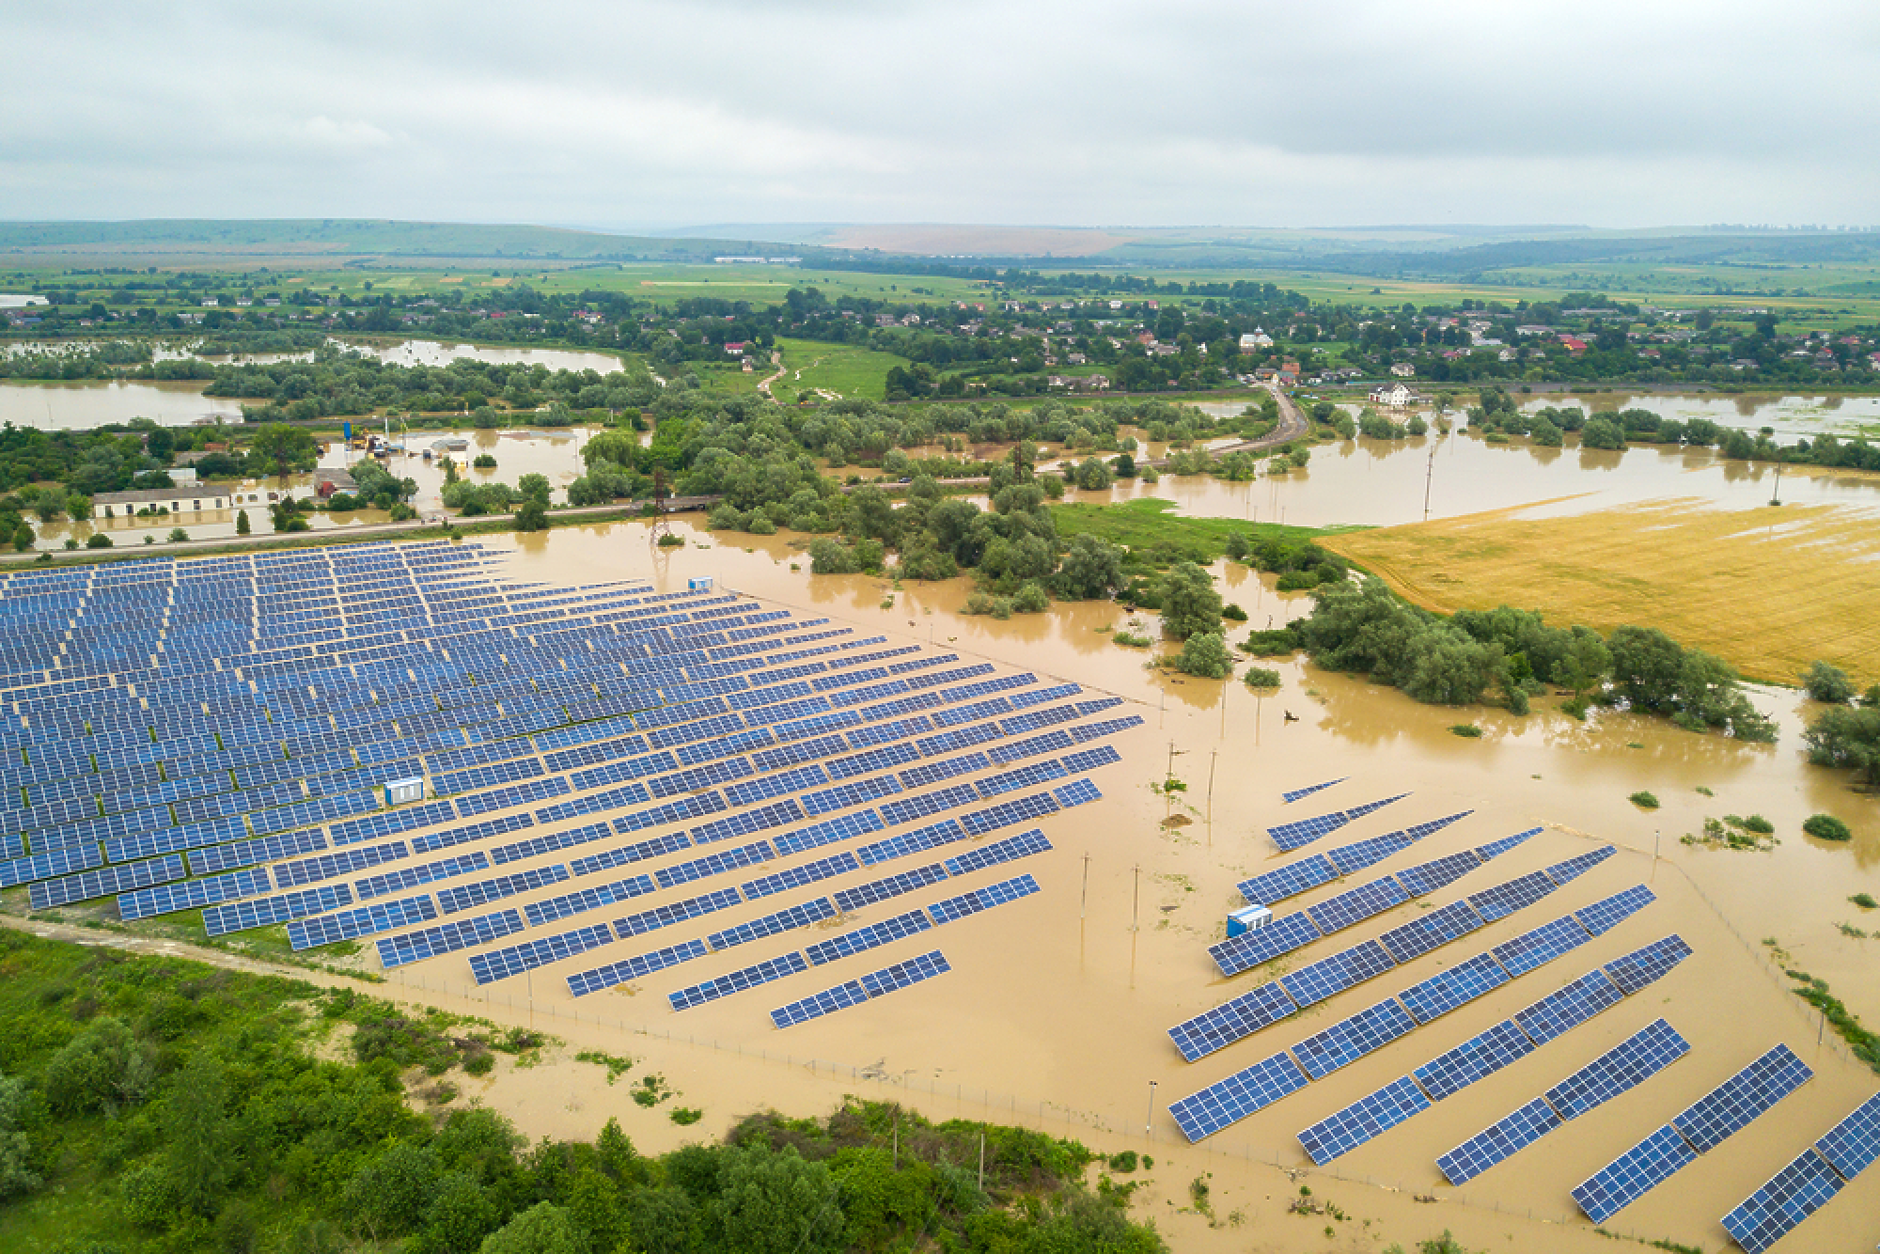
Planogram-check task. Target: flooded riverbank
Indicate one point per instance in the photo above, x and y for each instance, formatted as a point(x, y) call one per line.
point(1057, 1005)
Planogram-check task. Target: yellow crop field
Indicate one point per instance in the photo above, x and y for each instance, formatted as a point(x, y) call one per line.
point(1769, 590)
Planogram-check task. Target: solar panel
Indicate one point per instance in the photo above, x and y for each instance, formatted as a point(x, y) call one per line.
point(1357, 904)
point(800, 876)
point(1505, 898)
point(1540, 946)
point(448, 938)
point(1248, 950)
point(1793, 1194)
point(1288, 881)
point(1331, 975)
point(1426, 877)
point(737, 981)
point(1368, 1117)
point(1853, 1144)
point(552, 909)
point(1000, 851)
point(1231, 1021)
point(1730, 1107)
point(713, 864)
point(581, 983)
point(1431, 931)
point(1602, 916)
point(1498, 1142)
point(1571, 869)
point(676, 912)
point(1309, 789)
point(146, 903)
point(953, 909)
point(1006, 813)
point(262, 911)
point(380, 916)
point(890, 886)
point(903, 974)
point(1648, 964)
point(469, 896)
point(830, 1000)
point(1633, 1174)
point(1351, 1039)
point(870, 937)
point(1206, 1112)
point(1566, 1008)
point(1291, 836)
point(1495, 848)
point(1623, 1067)
point(801, 915)
point(1484, 1054)
point(1077, 792)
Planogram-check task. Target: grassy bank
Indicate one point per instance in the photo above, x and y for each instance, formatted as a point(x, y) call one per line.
point(1150, 525)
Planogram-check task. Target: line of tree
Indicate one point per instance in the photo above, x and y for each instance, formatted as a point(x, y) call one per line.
point(1512, 655)
point(153, 1104)
point(1846, 734)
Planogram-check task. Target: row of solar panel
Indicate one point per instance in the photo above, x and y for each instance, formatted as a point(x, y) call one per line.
point(1207, 1111)
point(1261, 1007)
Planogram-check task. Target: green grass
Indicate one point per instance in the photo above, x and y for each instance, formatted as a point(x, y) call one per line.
point(838, 368)
point(1149, 522)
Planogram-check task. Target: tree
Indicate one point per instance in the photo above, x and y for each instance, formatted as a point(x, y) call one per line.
point(534, 487)
point(1092, 569)
point(1205, 654)
point(196, 1133)
point(16, 1152)
point(388, 1195)
point(178, 535)
point(1847, 738)
point(103, 1069)
point(542, 1229)
point(1603, 432)
point(1189, 602)
point(278, 449)
point(242, 525)
point(1092, 475)
point(532, 515)
point(1828, 684)
point(776, 1203)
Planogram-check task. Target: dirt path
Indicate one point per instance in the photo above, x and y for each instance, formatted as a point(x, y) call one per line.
point(776, 359)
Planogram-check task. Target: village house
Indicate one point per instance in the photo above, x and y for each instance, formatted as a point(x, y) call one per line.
point(1404, 370)
point(1395, 395)
point(191, 497)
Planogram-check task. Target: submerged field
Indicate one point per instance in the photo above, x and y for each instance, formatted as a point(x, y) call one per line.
point(1770, 591)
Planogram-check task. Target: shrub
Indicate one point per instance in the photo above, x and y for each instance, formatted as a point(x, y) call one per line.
point(670, 541)
point(1205, 654)
point(1865, 901)
point(760, 525)
point(1827, 827)
point(1261, 677)
point(1828, 684)
point(98, 540)
point(1031, 599)
point(178, 536)
point(483, 461)
point(1643, 800)
point(1468, 731)
point(1124, 1162)
point(1129, 641)
point(1233, 613)
point(686, 1116)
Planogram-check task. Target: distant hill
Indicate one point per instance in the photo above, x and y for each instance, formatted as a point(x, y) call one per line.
point(341, 238)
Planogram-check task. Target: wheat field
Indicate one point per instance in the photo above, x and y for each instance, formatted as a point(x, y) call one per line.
point(1769, 590)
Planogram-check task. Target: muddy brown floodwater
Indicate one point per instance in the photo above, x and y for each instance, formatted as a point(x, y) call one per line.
point(1055, 1012)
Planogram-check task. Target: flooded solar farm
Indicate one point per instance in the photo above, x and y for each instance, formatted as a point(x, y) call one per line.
point(784, 838)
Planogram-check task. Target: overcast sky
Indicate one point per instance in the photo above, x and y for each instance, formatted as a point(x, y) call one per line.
point(1246, 112)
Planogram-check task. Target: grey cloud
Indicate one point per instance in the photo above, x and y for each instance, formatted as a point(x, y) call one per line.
point(657, 111)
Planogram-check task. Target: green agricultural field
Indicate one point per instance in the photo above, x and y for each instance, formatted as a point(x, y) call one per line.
point(838, 368)
point(1148, 523)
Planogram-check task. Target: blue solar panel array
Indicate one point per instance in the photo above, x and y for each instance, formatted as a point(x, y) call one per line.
point(1808, 1182)
point(1290, 836)
point(1209, 1110)
point(855, 992)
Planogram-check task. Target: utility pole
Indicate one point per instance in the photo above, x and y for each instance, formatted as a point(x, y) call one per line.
point(1429, 473)
point(1148, 1125)
point(1135, 922)
point(1084, 905)
point(1212, 755)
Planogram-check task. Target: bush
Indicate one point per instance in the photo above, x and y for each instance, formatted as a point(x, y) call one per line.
point(1233, 613)
point(686, 1116)
point(670, 541)
point(1129, 641)
point(1031, 599)
point(178, 536)
point(1468, 731)
point(98, 540)
point(1261, 677)
point(1205, 654)
point(1827, 827)
point(1828, 684)
point(483, 461)
point(760, 525)
point(1643, 800)
point(1865, 901)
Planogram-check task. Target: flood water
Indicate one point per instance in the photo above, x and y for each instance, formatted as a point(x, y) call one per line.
point(1055, 1011)
point(79, 405)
